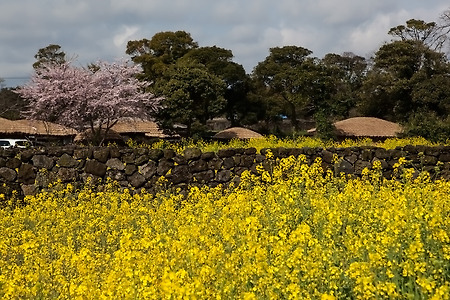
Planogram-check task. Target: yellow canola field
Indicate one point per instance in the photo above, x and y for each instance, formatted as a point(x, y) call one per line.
point(295, 232)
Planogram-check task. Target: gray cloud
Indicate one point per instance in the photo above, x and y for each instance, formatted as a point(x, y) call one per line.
point(100, 29)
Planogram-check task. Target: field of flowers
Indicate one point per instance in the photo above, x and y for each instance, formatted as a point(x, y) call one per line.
point(274, 142)
point(292, 233)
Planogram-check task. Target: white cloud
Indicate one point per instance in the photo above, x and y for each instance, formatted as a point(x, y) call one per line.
point(126, 33)
point(100, 29)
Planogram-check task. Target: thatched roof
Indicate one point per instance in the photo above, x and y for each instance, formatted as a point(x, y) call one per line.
point(34, 127)
point(365, 127)
point(149, 128)
point(237, 133)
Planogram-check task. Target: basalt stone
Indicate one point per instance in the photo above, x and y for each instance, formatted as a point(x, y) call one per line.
point(223, 176)
point(295, 152)
point(115, 164)
point(225, 153)
point(360, 165)
point(180, 160)
point(198, 166)
point(137, 180)
point(259, 158)
point(43, 179)
point(238, 171)
point(381, 153)
point(43, 162)
point(67, 174)
point(352, 158)
point(228, 162)
point(309, 151)
point(215, 163)
point(181, 174)
point(250, 151)
point(204, 177)
point(396, 153)
point(83, 153)
point(29, 189)
point(192, 153)
point(281, 152)
point(130, 169)
point(13, 163)
point(26, 174)
point(115, 175)
point(26, 155)
point(148, 170)
point(2, 162)
point(141, 151)
point(164, 166)
point(114, 152)
point(7, 174)
point(434, 151)
point(367, 154)
point(208, 155)
point(430, 160)
point(67, 161)
point(55, 151)
point(327, 156)
point(246, 161)
point(142, 159)
point(344, 167)
point(155, 154)
point(101, 154)
point(95, 168)
point(129, 158)
point(443, 157)
point(169, 154)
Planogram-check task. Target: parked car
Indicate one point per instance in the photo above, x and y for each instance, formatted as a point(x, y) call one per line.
point(19, 143)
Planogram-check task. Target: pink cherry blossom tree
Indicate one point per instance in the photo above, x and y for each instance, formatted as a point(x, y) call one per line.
point(92, 98)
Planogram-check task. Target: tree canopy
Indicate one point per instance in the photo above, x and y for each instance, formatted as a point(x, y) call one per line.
point(50, 55)
point(192, 95)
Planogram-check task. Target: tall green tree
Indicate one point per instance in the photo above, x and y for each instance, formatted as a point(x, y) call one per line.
point(297, 82)
point(52, 54)
point(192, 95)
point(407, 77)
point(160, 52)
point(348, 72)
point(218, 61)
point(430, 34)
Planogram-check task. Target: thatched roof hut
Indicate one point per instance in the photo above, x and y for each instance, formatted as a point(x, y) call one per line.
point(237, 133)
point(136, 126)
point(359, 127)
point(6, 125)
point(38, 127)
point(37, 131)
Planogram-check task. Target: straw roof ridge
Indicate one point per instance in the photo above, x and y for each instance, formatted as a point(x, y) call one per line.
point(132, 125)
point(366, 127)
point(34, 127)
point(238, 133)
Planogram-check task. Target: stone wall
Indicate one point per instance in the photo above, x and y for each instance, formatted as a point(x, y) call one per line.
point(28, 170)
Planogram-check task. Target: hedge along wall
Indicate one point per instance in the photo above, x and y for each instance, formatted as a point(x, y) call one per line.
point(27, 171)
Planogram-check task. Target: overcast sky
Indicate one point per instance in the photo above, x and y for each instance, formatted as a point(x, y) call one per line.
point(95, 30)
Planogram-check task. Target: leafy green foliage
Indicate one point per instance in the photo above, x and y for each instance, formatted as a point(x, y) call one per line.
point(52, 54)
point(192, 96)
point(11, 104)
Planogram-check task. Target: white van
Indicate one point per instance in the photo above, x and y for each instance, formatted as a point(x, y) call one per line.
point(19, 143)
